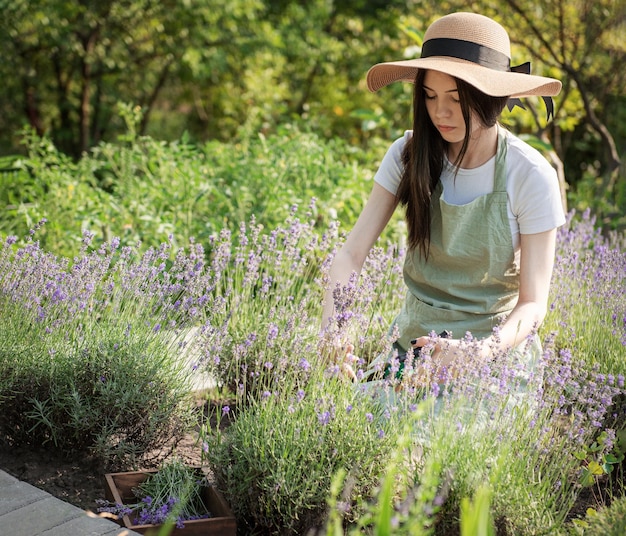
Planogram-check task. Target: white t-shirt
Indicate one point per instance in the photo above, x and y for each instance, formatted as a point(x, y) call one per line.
point(534, 199)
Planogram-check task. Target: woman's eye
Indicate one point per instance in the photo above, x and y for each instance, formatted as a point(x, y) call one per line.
point(429, 97)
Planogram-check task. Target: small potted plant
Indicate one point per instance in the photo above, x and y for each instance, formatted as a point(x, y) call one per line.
point(175, 494)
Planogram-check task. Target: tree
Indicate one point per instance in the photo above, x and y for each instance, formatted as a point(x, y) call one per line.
point(584, 39)
point(69, 63)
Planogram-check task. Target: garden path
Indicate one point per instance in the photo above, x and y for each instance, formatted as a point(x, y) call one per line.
point(29, 511)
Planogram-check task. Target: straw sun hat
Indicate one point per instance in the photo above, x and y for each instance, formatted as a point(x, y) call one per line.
point(475, 49)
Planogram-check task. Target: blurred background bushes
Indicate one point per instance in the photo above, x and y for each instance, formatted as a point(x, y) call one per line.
point(202, 73)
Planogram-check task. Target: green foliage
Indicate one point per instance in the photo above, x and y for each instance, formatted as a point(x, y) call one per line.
point(71, 62)
point(598, 459)
point(275, 463)
point(608, 521)
point(590, 193)
point(250, 303)
point(520, 453)
point(399, 506)
point(144, 190)
point(215, 68)
point(476, 517)
point(587, 309)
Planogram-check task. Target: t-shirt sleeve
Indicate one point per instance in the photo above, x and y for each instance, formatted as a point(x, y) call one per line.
point(390, 170)
point(538, 206)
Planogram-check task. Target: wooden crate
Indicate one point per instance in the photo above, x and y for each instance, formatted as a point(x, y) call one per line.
point(118, 489)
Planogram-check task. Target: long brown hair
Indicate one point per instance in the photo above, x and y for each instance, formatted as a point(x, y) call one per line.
point(423, 156)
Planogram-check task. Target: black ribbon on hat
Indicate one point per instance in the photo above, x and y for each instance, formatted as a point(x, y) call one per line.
point(483, 56)
point(524, 68)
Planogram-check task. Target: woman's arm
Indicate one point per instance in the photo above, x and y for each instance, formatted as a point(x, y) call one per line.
point(350, 258)
point(536, 263)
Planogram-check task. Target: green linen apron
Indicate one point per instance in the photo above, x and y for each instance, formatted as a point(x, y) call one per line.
point(470, 280)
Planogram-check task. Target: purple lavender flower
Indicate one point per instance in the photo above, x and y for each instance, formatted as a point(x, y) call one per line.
point(324, 418)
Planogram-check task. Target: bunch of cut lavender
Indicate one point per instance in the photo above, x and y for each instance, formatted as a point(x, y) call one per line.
point(173, 494)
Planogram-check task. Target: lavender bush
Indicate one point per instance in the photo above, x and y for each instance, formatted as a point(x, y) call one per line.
point(265, 305)
point(90, 349)
point(587, 297)
point(276, 461)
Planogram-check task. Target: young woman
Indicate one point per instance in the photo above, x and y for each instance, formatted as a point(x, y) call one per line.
point(482, 207)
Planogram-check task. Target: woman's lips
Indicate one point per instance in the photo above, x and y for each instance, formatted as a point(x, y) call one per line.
point(445, 128)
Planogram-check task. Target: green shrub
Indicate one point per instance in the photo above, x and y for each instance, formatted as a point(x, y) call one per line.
point(275, 463)
point(145, 191)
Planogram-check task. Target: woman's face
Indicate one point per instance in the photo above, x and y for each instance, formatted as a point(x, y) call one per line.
point(444, 107)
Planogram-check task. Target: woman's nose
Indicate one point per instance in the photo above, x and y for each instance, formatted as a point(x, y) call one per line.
point(442, 110)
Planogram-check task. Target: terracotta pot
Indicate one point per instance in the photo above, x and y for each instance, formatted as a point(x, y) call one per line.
point(118, 489)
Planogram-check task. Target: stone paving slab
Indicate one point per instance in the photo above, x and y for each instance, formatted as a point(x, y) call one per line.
point(29, 511)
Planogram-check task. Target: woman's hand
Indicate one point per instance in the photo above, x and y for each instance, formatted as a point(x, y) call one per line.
point(348, 361)
point(436, 359)
point(341, 354)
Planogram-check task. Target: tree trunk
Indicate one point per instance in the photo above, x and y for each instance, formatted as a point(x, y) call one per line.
point(84, 112)
point(65, 139)
point(147, 108)
point(613, 161)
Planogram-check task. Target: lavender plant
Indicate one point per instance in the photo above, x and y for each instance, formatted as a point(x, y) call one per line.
point(529, 449)
point(588, 310)
point(400, 505)
point(95, 351)
point(275, 463)
point(91, 349)
point(266, 300)
point(526, 446)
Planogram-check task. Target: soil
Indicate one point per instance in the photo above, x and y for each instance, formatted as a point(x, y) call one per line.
point(80, 480)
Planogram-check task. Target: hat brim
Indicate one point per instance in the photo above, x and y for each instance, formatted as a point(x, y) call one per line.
point(489, 81)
